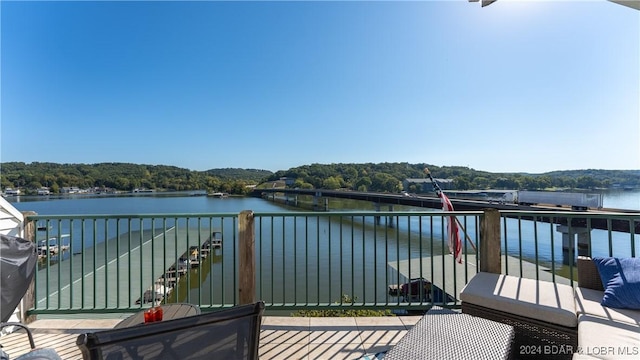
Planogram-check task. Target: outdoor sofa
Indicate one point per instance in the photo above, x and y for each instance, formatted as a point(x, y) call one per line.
point(556, 321)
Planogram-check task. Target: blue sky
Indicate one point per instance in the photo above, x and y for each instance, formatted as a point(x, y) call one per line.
point(530, 86)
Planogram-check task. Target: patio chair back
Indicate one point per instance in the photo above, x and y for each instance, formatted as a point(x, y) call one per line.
point(232, 333)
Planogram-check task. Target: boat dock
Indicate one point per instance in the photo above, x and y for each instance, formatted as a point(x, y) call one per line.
point(50, 244)
point(433, 268)
point(129, 265)
point(52, 247)
point(190, 259)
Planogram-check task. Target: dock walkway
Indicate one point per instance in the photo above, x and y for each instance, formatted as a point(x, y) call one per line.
point(128, 266)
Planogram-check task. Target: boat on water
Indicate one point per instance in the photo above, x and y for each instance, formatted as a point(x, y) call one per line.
point(142, 190)
point(11, 192)
point(417, 290)
point(154, 294)
point(42, 227)
point(52, 246)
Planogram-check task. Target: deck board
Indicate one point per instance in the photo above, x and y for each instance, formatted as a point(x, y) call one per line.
point(16, 344)
point(280, 337)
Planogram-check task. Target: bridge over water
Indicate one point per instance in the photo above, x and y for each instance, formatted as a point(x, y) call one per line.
point(433, 202)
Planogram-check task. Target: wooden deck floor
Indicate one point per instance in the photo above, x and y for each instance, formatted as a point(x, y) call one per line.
point(280, 337)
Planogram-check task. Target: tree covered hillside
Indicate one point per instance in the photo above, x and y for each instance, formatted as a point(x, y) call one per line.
point(240, 174)
point(388, 177)
point(382, 177)
point(125, 177)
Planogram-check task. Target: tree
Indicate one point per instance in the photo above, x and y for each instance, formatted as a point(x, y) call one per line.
point(385, 183)
point(363, 183)
point(586, 182)
point(331, 183)
point(481, 182)
point(505, 183)
point(460, 183)
point(351, 174)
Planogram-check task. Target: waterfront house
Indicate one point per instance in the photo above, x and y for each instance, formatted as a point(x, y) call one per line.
point(70, 190)
point(11, 192)
point(424, 185)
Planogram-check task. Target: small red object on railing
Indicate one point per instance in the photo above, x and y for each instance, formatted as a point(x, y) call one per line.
point(157, 313)
point(149, 316)
point(153, 314)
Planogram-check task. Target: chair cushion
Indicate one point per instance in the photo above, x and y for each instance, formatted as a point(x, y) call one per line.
point(621, 281)
point(542, 300)
point(607, 340)
point(588, 303)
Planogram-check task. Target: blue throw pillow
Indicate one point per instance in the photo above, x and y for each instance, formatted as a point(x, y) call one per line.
point(621, 281)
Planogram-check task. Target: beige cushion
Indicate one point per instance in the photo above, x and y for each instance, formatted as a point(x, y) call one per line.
point(588, 303)
point(605, 339)
point(542, 300)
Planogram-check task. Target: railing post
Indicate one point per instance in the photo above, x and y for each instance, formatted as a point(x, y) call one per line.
point(490, 260)
point(247, 264)
point(28, 301)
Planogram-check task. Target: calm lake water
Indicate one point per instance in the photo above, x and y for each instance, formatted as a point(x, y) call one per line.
point(622, 199)
point(143, 204)
point(183, 203)
point(324, 245)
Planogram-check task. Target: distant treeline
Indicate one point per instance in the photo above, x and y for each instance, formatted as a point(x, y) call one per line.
point(388, 177)
point(126, 177)
point(382, 177)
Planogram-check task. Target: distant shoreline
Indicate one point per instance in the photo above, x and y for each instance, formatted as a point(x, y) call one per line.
point(104, 195)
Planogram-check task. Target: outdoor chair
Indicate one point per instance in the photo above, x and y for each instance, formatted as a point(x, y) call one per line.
point(17, 266)
point(232, 333)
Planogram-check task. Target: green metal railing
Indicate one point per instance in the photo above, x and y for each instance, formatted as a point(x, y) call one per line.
point(102, 263)
point(303, 260)
point(346, 259)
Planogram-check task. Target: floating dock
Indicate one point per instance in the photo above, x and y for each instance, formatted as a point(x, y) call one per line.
point(116, 273)
point(51, 246)
point(190, 259)
point(434, 268)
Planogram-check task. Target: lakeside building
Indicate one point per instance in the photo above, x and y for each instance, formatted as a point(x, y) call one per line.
point(11, 192)
point(425, 185)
